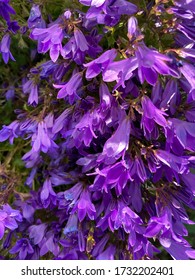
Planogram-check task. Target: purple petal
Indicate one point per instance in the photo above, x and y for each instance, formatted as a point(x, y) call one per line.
point(2, 230)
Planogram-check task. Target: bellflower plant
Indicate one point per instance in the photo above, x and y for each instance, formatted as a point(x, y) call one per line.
point(97, 130)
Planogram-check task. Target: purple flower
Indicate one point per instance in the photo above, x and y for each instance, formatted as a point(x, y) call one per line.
point(36, 233)
point(35, 19)
point(151, 62)
point(178, 164)
point(137, 170)
point(9, 132)
point(84, 206)
point(87, 162)
point(6, 10)
point(67, 14)
point(84, 131)
point(129, 220)
point(136, 196)
point(80, 40)
point(187, 30)
point(117, 144)
point(5, 48)
point(106, 99)
point(188, 180)
point(120, 71)
point(151, 115)
point(100, 64)
point(8, 219)
point(49, 243)
point(61, 121)
point(181, 251)
point(2, 226)
point(100, 245)
point(188, 71)
point(49, 39)
point(120, 7)
point(23, 247)
point(71, 89)
point(31, 87)
point(47, 195)
point(186, 52)
point(72, 225)
point(132, 224)
point(31, 158)
point(28, 212)
point(79, 46)
point(170, 96)
point(41, 140)
point(181, 135)
point(133, 29)
point(13, 26)
point(165, 226)
point(70, 196)
point(115, 176)
point(107, 254)
point(108, 12)
point(10, 93)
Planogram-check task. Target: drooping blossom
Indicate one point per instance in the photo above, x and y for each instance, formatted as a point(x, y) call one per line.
point(49, 39)
point(70, 90)
point(9, 218)
point(6, 10)
point(115, 147)
point(5, 48)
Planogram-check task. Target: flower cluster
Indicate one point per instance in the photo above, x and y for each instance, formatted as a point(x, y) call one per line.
point(98, 158)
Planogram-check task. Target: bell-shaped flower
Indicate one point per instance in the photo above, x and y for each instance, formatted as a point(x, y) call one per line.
point(47, 195)
point(107, 254)
point(49, 39)
point(5, 48)
point(178, 164)
point(37, 232)
point(167, 230)
point(118, 143)
point(71, 196)
point(188, 71)
point(170, 97)
point(150, 63)
point(100, 64)
point(31, 87)
point(137, 170)
point(133, 29)
point(10, 132)
point(80, 40)
point(8, 219)
point(6, 10)
point(71, 225)
point(41, 139)
point(49, 243)
point(181, 135)
point(120, 71)
point(35, 19)
point(108, 12)
point(84, 129)
point(71, 89)
point(84, 206)
point(106, 98)
point(99, 247)
point(151, 116)
point(23, 248)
